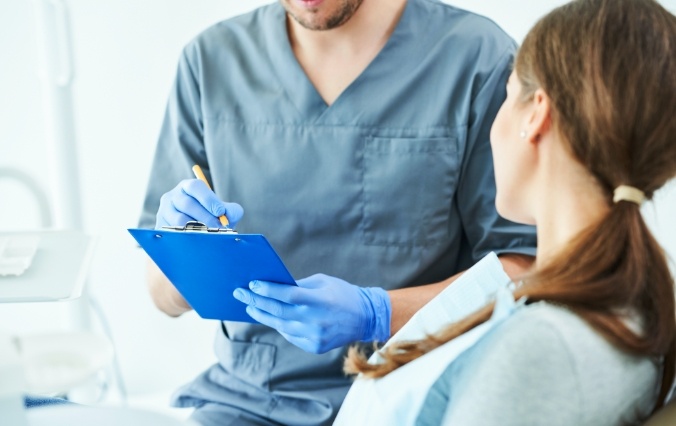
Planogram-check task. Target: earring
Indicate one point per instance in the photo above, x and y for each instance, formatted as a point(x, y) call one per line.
point(523, 134)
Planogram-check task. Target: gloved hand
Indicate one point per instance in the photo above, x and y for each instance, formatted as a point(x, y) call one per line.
point(321, 313)
point(190, 200)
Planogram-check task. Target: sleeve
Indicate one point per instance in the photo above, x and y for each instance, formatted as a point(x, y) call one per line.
point(485, 230)
point(519, 374)
point(180, 144)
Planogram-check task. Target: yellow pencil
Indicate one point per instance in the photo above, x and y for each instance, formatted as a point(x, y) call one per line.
point(199, 174)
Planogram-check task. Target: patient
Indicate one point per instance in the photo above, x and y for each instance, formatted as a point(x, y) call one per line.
point(586, 134)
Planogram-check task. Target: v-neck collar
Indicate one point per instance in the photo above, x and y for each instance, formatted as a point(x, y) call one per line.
point(295, 82)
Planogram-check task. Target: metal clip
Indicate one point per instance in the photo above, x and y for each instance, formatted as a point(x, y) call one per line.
point(195, 226)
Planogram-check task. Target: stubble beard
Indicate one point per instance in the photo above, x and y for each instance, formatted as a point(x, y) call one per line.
point(347, 9)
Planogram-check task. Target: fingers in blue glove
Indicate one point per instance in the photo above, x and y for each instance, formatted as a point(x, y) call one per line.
point(295, 332)
point(191, 199)
point(291, 294)
point(285, 318)
point(320, 313)
point(273, 307)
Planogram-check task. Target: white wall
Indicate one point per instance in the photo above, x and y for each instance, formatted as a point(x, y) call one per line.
point(126, 53)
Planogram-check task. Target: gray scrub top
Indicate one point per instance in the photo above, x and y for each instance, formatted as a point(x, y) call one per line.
point(391, 186)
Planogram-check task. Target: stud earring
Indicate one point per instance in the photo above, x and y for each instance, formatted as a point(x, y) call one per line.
point(523, 134)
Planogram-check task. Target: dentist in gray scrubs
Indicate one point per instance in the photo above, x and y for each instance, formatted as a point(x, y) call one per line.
point(353, 134)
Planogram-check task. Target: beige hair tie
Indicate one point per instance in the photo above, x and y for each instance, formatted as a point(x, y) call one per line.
point(628, 193)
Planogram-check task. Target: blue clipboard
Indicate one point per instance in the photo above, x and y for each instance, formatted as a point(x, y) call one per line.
point(207, 265)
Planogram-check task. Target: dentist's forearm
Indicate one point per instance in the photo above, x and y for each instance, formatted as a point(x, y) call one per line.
point(407, 301)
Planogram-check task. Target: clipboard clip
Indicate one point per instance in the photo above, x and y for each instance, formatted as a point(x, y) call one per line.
point(195, 226)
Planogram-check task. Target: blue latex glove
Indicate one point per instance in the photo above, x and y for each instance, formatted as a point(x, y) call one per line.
point(190, 200)
point(321, 313)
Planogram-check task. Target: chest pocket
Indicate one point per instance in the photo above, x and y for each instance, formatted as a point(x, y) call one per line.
point(408, 187)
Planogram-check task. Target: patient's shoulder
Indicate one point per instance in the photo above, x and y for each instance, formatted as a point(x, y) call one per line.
point(544, 327)
point(547, 335)
point(544, 361)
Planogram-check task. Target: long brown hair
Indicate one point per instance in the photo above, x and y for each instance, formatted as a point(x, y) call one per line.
point(609, 68)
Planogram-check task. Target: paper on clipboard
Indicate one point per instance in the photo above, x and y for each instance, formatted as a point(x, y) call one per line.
point(207, 266)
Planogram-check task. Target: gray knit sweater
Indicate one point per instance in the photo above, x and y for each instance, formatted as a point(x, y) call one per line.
point(542, 366)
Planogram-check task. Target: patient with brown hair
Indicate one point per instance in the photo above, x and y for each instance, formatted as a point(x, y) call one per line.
point(586, 135)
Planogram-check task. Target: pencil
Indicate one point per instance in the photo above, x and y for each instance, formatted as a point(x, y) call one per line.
point(199, 174)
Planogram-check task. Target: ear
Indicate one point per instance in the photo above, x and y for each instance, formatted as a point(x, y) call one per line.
point(540, 118)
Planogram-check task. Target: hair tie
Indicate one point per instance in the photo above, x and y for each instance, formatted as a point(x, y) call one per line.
point(628, 193)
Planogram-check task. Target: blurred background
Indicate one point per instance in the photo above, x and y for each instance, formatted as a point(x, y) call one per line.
point(124, 60)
